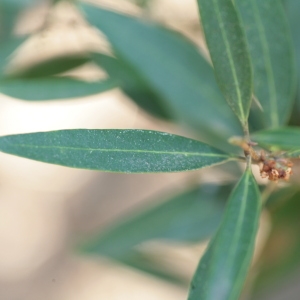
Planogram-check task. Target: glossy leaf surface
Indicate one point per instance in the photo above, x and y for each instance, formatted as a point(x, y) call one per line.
point(51, 88)
point(227, 46)
point(223, 268)
point(129, 151)
point(189, 217)
point(272, 58)
point(284, 138)
point(173, 68)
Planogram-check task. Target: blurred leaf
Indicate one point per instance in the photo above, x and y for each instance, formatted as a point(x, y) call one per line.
point(269, 42)
point(9, 13)
point(223, 268)
point(142, 3)
point(293, 12)
point(284, 138)
point(150, 265)
point(227, 46)
point(132, 84)
point(6, 50)
point(174, 69)
point(8, 16)
point(51, 88)
point(20, 3)
point(293, 153)
point(281, 255)
point(127, 151)
point(189, 217)
point(280, 195)
point(51, 66)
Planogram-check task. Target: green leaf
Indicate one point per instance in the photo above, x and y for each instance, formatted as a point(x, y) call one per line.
point(8, 17)
point(224, 266)
point(128, 151)
point(189, 217)
point(174, 69)
point(51, 88)
point(6, 50)
point(149, 264)
point(50, 67)
point(280, 258)
point(272, 57)
point(293, 9)
point(9, 13)
point(284, 138)
point(227, 46)
point(132, 84)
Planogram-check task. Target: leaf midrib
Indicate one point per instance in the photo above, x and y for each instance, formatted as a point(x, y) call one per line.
point(231, 62)
point(268, 64)
point(238, 233)
point(122, 150)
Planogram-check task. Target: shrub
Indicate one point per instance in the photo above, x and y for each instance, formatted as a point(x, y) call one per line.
point(252, 68)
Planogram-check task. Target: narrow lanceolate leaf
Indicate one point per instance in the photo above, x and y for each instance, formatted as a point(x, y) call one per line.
point(284, 138)
point(189, 217)
point(133, 85)
point(292, 10)
point(227, 46)
point(272, 58)
point(174, 70)
point(50, 67)
point(127, 151)
point(51, 88)
point(224, 266)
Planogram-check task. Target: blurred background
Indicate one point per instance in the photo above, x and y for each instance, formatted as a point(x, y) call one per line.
point(48, 212)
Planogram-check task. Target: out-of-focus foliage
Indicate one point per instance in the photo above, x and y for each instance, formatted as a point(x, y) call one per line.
point(165, 74)
point(273, 66)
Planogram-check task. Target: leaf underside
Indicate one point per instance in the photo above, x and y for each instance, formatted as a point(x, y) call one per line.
point(129, 151)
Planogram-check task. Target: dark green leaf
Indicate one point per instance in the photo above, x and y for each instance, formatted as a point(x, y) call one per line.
point(269, 42)
point(51, 88)
point(132, 84)
point(128, 151)
point(223, 268)
point(280, 258)
point(284, 138)
point(189, 217)
point(51, 67)
point(227, 46)
point(174, 69)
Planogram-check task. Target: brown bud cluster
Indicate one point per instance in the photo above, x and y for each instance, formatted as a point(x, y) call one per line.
point(275, 169)
point(273, 166)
